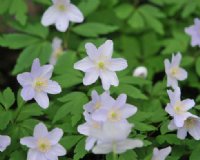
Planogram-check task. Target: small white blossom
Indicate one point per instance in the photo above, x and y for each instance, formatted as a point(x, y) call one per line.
point(44, 145)
point(191, 125)
point(4, 142)
point(178, 109)
point(194, 32)
point(99, 63)
point(174, 71)
point(140, 71)
point(36, 84)
point(60, 13)
point(57, 50)
point(161, 154)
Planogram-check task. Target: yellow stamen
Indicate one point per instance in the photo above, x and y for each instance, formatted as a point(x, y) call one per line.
point(97, 105)
point(174, 71)
point(43, 145)
point(61, 7)
point(114, 116)
point(101, 65)
point(189, 123)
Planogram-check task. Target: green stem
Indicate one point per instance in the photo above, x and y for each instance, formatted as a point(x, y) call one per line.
point(114, 156)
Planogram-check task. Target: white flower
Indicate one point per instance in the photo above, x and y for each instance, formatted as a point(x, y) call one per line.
point(173, 71)
point(178, 109)
point(99, 63)
point(44, 145)
point(4, 142)
point(60, 13)
point(161, 154)
point(36, 84)
point(115, 111)
point(191, 125)
point(57, 50)
point(113, 138)
point(140, 71)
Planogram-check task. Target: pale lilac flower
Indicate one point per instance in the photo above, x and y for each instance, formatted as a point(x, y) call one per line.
point(178, 109)
point(113, 138)
point(99, 63)
point(44, 145)
point(191, 125)
point(161, 154)
point(57, 50)
point(140, 71)
point(194, 32)
point(174, 71)
point(115, 111)
point(60, 13)
point(36, 84)
point(4, 142)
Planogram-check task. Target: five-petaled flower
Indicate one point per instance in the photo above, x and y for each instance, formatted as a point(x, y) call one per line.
point(100, 63)
point(194, 32)
point(161, 154)
point(178, 109)
point(36, 84)
point(44, 145)
point(60, 13)
point(4, 142)
point(173, 71)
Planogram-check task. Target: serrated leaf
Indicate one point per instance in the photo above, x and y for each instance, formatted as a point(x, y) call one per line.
point(80, 151)
point(124, 10)
point(7, 98)
point(5, 117)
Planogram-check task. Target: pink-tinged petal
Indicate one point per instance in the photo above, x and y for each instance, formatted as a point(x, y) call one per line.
point(91, 50)
point(103, 148)
point(33, 154)
point(84, 65)
point(128, 110)
point(50, 16)
point(181, 133)
point(74, 14)
point(42, 99)
point(188, 104)
point(117, 64)
point(181, 74)
point(30, 142)
point(167, 66)
point(52, 87)
point(27, 93)
point(121, 100)
point(108, 78)
point(40, 131)
point(84, 129)
point(55, 135)
point(90, 141)
point(24, 79)
point(90, 77)
point(176, 59)
point(172, 125)
point(127, 144)
point(62, 23)
point(58, 150)
point(100, 115)
point(106, 49)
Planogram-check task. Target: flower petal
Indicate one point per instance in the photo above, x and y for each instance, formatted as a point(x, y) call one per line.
point(58, 150)
point(103, 148)
point(40, 131)
point(55, 135)
point(182, 133)
point(117, 64)
point(27, 93)
point(84, 129)
point(50, 16)
point(74, 14)
point(90, 77)
point(4, 142)
point(84, 65)
point(172, 125)
point(91, 50)
point(52, 88)
point(42, 99)
point(106, 49)
point(24, 79)
point(90, 141)
point(30, 142)
point(188, 104)
point(33, 154)
point(176, 59)
point(62, 23)
point(128, 110)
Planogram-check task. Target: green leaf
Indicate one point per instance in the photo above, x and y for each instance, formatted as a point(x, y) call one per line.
point(198, 66)
point(195, 153)
point(5, 4)
point(7, 98)
point(70, 141)
point(130, 90)
point(41, 51)
point(91, 29)
point(16, 155)
point(80, 151)
point(128, 155)
point(169, 138)
point(136, 21)
point(123, 10)
point(17, 40)
point(144, 127)
point(5, 117)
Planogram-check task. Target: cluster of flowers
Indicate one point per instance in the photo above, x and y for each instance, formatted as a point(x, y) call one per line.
point(106, 124)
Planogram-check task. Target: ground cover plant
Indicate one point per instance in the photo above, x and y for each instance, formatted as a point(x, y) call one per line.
point(99, 79)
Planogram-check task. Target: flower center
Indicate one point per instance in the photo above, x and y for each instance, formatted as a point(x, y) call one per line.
point(97, 105)
point(189, 123)
point(178, 109)
point(174, 71)
point(43, 145)
point(101, 65)
point(39, 83)
point(61, 7)
point(114, 116)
